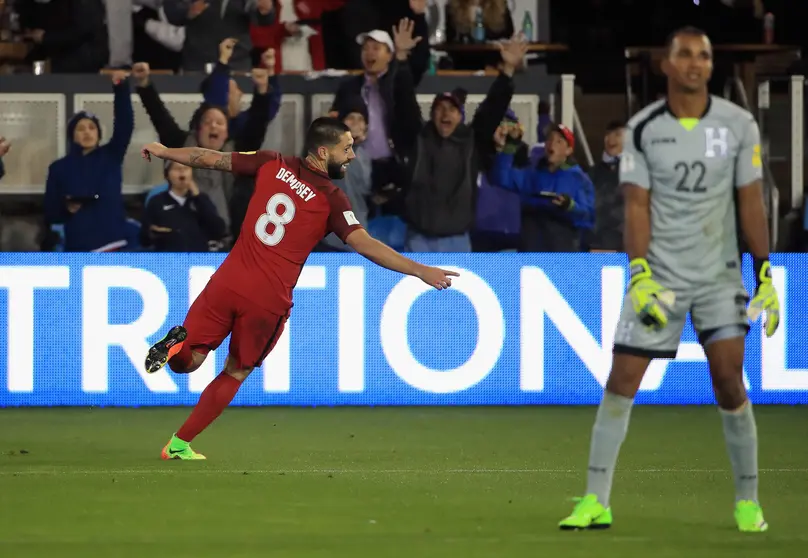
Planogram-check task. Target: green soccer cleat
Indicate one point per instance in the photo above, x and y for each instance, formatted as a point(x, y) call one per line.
point(587, 514)
point(180, 449)
point(165, 348)
point(749, 517)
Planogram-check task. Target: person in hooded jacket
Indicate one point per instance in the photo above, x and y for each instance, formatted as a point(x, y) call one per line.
point(444, 156)
point(209, 129)
point(558, 188)
point(84, 188)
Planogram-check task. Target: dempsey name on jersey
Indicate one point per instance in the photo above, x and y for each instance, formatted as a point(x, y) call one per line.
point(297, 186)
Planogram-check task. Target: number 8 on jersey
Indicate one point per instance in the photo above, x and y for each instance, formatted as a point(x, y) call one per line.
point(272, 217)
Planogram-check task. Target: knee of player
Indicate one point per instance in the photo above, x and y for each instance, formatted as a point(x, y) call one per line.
point(730, 392)
point(198, 360)
point(238, 373)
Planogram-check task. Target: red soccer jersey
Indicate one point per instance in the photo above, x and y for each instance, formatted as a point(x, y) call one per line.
point(292, 208)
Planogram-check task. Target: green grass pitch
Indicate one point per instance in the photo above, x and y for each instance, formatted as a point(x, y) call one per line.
point(386, 482)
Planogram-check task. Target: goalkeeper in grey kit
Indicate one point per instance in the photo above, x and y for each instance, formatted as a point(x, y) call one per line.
point(692, 179)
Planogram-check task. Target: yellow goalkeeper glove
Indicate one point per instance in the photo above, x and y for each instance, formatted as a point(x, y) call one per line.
point(652, 302)
point(765, 299)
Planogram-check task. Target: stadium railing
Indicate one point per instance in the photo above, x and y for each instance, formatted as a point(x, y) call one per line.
point(34, 111)
point(780, 113)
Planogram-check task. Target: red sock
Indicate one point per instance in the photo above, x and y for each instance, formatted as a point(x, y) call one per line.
point(216, 397)
point(182, 360)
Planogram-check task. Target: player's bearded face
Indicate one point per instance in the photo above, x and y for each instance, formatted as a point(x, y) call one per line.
point(340, 157)
point(690, 63)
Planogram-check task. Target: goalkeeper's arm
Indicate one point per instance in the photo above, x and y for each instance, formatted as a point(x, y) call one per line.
point(754, 223)
point(637, 229)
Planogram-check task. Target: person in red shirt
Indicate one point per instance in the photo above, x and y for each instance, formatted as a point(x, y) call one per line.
point(294, 206)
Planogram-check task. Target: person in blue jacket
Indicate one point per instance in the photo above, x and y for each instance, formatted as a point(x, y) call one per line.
point(221, 90)
point(84, 188)
point(558, 188)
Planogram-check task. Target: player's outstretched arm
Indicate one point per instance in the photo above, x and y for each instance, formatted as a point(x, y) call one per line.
point(381, 254)
point(196, 157)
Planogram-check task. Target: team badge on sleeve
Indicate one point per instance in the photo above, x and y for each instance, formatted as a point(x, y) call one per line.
point(626, 162)
point(350, 218)
point(756, 161)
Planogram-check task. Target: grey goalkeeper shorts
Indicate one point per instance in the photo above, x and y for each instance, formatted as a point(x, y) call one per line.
point(711, 308)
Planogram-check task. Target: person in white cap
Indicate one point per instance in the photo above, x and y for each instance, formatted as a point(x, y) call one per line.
point(381, 55)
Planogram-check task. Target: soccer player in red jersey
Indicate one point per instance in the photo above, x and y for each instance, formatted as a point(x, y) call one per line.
point(294, 206)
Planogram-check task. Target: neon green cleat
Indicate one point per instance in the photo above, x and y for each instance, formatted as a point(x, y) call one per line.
point(180, 449)
point(587, 514)
point(749, 517)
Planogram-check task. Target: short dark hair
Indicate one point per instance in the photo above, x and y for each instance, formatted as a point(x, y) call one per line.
point(615, 125)
point(324, 132)
point(686, 30)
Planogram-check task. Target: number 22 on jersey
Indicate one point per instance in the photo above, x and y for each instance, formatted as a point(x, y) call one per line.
point(272, 217)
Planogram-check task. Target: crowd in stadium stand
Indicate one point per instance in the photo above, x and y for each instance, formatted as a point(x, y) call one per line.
point(488, 193)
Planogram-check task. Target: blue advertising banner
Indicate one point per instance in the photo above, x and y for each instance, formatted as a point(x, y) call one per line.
point(516, 329)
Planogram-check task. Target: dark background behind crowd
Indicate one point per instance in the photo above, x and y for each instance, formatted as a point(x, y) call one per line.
point(421, 185)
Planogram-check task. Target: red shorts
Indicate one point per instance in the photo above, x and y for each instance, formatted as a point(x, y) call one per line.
point(218, 312)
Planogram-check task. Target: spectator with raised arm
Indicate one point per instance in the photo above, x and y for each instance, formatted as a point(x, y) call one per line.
point(498, 220)
point(208, 23)
point(382, 58)
point(209, 129)
point(445, 156)
point(84, 188)
point(460, 18)
point(559, 189)
point(220, 90)
point(181, 219)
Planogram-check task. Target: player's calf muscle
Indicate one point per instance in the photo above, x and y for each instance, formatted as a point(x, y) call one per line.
point(197, 360)
point(730, 393)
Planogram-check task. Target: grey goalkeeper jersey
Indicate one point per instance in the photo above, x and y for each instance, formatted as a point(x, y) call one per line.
point(692, 168)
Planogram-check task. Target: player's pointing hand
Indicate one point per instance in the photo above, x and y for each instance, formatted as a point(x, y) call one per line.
point(436, 277)
point(156, 149)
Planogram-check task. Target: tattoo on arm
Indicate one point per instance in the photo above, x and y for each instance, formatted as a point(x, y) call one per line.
point(209, 159)
point(224, 162)
point(194, 157)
